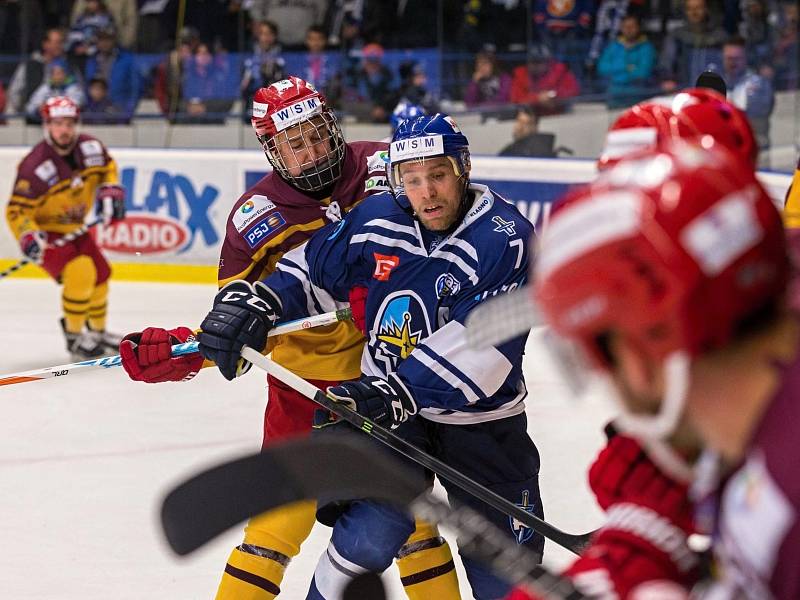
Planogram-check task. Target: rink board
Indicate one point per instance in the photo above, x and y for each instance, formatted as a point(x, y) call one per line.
point(178, 203)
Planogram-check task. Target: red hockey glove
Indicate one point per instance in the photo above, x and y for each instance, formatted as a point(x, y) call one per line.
point(643, 544)
point(358, 301)
point(147, 355)
point(110, 203)
point(34, 243)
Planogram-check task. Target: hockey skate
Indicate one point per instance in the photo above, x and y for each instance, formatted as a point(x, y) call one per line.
point(83, 346)
point(109, 341)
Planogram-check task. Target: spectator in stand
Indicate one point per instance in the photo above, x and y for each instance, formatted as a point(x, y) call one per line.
point(266, 59)
point(373, 86)
point(206, 93)
point(544, 84)
point(292, 18)
point(527, 141)
point(82, 37)
point(413, 87)
point(126, 18)
point(759, 35)
point(61, 82)
point(489, 86)
point(747, 89)
point(100, 110)
point(117, 67)
point(692, 48)
point(628, 64)
point(34, 71)
point(264, 66)
point(564, 27)
point(169, 73)
point(607, 26)
point(318, 68)
point(786, 57)
point(157, 20)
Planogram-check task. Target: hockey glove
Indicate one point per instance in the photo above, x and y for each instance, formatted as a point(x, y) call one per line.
point(642, 549)
point(33, 244)
point(381, 401)
point(243, 314)
point(147, 355)
point(110, 203)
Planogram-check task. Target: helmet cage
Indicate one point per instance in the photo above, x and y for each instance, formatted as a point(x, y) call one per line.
point(301, 142)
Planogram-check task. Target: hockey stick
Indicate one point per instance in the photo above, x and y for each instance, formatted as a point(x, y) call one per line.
point(62, 241)
point(106, 362)
point(212, 501)
point(574, 543)
point(500, 319)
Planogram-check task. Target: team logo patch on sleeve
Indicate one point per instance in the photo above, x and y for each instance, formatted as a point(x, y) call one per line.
point(46, 171)
point(264, 229)
point(384, 265)
point(376, 184)
point(447, 285)
point(250, 210)
point(378, 161)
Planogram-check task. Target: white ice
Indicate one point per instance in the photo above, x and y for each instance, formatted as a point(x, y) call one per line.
point(85, 460)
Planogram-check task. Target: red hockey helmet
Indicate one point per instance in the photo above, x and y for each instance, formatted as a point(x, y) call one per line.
point(691, 114)
point(59, 107)
point(299, 133)
point(672, 249)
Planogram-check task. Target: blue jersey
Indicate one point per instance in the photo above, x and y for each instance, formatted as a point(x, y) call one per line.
point(418, 299)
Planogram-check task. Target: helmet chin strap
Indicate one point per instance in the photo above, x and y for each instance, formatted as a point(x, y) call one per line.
point(662, 424)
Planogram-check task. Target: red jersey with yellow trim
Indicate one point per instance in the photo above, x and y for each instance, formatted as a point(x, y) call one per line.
point(271, 218)
point(53, 192)
point(791, 209)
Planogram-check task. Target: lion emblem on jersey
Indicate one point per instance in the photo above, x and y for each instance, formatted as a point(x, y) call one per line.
point(400, 325)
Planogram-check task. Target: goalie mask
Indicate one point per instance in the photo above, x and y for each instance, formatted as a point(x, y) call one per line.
point(299, 134)
point(672, 250)
point(697, 114)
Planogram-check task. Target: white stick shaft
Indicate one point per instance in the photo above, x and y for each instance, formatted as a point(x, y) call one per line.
point(177, 350)
point(280, 373)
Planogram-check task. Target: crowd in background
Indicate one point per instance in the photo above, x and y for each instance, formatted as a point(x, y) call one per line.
point(196, 58)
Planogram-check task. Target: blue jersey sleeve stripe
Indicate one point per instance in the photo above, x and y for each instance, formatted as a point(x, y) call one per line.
point(362, 238)
point(451, 368)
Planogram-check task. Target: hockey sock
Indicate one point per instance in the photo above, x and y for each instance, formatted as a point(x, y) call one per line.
point(97, 307)
point(426, 565)
point(255, 568)
point(78, 278)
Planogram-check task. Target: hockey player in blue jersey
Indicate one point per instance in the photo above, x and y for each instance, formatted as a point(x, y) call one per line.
point(427, 255)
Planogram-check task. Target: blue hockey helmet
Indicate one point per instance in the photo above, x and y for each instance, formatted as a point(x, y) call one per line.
point(404, 111)
point(428, 136)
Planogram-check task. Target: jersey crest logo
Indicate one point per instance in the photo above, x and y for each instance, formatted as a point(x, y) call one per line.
point(447, 285)
point(506, 227)
point(384, 265)
point(401, 324)
point(522, 532)
point(264, 229)
point(333, 212)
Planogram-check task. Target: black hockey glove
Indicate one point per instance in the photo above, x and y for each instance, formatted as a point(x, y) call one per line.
point(243, 314)
point(381, 401)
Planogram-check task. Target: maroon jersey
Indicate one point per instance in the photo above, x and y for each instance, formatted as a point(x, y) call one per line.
point(271, 218)
point(759, 520)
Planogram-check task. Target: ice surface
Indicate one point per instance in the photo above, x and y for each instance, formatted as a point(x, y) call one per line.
point(85, 460)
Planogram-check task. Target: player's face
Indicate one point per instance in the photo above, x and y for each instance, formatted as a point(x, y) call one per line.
point(305, 148)
point(434, 191)
point(63, 131)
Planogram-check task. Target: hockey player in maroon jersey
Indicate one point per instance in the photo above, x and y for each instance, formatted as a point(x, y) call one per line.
point(670, 274)
point(317, 178)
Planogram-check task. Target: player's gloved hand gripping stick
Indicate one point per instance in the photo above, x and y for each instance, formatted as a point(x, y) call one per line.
point(572, 542)
point(177, 350)
point(63, 240)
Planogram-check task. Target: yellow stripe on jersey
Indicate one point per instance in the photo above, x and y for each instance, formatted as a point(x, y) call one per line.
point(791, 211)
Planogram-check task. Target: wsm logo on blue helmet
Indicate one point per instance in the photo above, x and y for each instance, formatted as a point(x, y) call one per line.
point(521, 531)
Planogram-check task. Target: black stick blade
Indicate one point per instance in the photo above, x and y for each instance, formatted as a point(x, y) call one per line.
point(210, 502)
